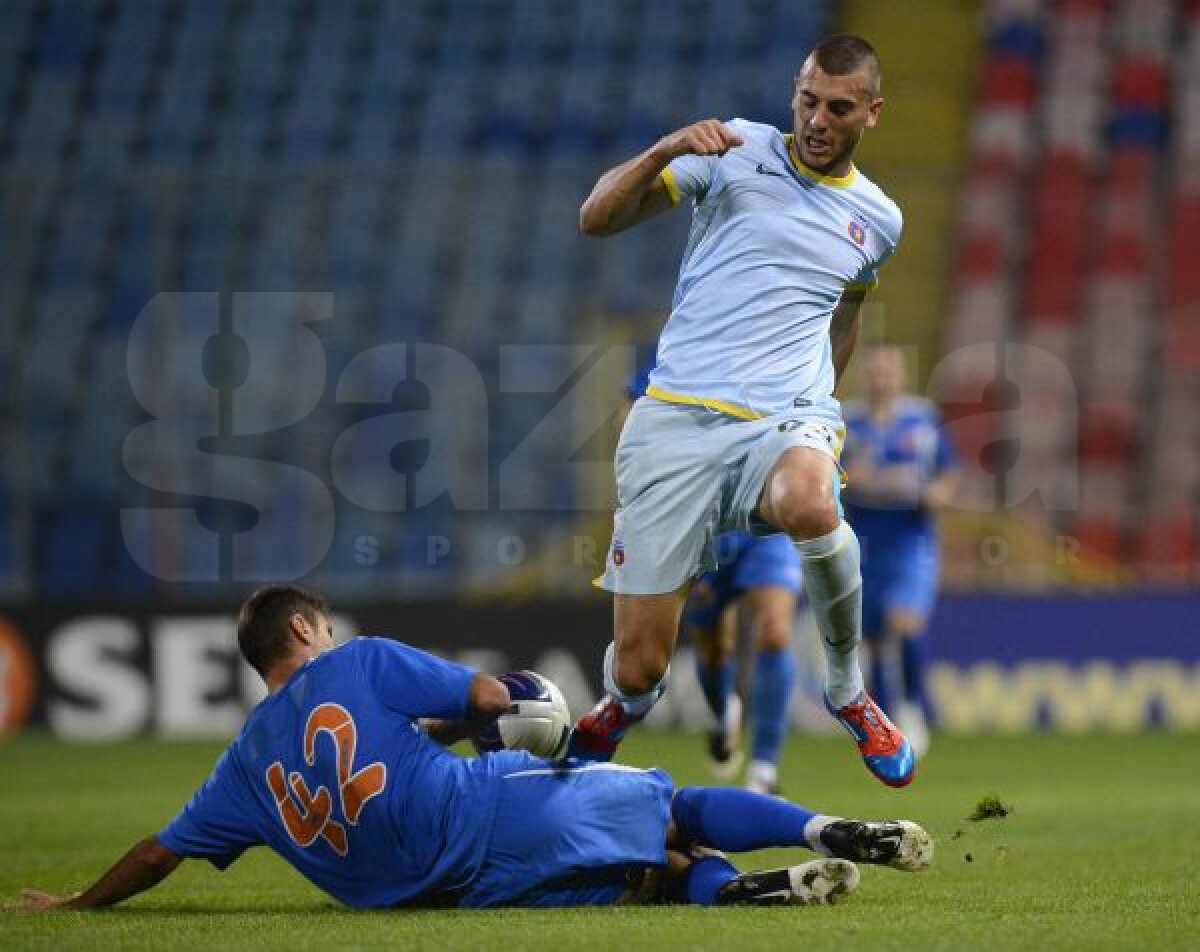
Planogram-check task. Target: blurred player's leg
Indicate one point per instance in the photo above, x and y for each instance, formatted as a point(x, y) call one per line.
point(913, 665)
point(773, 608)
point(908, 607)
point(635, 671)
point(712, 627)
point(882, 662)
point(906, 634)
point(883, 674)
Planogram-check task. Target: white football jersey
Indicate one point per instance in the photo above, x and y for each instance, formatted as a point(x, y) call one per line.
point(773, 245)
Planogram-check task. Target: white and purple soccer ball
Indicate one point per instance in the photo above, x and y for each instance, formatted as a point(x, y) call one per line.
point(538, 719)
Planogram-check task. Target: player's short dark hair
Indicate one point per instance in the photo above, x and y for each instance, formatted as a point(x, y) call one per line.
point(844, 53)
point(262, 622)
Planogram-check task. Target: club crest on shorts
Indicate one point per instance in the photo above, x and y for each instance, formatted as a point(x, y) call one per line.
point(618, 552)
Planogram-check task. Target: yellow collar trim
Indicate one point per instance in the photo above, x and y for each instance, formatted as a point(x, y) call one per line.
point(837, 181)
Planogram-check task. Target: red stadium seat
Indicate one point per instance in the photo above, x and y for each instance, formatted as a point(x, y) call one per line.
point(1181, 339)
point(1099, 538)
point(1008, 79)
point(981, 257)
point(1107, 433)
point(1132, 169)
point(1122, 254)
point(1167, 548)
point(1140, 82)
point(1183, 264)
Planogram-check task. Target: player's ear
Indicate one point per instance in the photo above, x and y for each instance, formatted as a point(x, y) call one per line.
point(300, 628)
point(873, 111)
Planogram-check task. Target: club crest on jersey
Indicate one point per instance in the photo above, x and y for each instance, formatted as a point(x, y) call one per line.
point(857, 231)
point(618, 553)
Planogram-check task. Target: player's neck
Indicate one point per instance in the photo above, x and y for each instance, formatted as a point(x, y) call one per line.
point(882, 409)
point(278, 676)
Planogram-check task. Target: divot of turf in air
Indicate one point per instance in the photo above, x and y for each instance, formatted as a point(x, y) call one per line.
point(990, 808)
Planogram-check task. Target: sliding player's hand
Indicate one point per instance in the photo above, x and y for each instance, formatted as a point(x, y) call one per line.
point(33, 900)
point(709, 137)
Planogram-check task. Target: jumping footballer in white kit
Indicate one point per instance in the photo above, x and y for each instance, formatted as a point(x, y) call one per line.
point(739, 428)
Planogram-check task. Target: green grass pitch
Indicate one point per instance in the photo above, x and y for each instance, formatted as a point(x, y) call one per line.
point(1101, 850)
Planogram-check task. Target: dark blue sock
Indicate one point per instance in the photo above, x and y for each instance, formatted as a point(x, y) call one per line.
point(882, 677)
point(704, 879)
point(912, 662)
point(717, 683)
point(774, 679)
point(737, 820)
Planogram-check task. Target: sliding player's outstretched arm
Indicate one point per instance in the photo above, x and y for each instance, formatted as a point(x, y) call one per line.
point(634, 190)
point(146, 864)
point(488, 699)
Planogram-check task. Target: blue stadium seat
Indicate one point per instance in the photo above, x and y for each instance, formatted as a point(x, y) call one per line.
point(424, 159)
point(71, 547)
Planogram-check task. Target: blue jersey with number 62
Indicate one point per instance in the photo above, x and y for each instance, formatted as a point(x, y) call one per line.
point(332, 772)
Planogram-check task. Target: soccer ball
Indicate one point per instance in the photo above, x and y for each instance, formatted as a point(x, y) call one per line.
point(538, 719)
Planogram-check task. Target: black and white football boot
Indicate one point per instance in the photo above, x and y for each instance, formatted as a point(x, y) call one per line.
point(818, 882)
point(900, 844)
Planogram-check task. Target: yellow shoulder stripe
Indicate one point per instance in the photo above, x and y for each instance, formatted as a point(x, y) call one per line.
point(668, 179)
point(863, 285)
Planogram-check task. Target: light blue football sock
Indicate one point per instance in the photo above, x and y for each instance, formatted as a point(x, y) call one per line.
point(834, 586)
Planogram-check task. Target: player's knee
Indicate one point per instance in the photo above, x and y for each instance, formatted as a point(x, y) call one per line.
point(773, 634)
point(804, 508)
point(639, 671)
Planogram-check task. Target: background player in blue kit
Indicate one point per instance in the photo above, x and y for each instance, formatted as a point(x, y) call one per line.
point(762, 573)
point(902, 470)
point(336, 771)
point(739, 428)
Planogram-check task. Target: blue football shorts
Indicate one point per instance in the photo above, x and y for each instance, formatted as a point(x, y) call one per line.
point(745, 562)
point(572, 834)
point(899, 576)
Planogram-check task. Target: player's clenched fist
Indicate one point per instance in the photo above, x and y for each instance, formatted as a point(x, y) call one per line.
point(708, 137)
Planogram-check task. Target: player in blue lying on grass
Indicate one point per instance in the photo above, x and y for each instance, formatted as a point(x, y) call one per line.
point(762, 573)
point(338, 772)
point(902, 470)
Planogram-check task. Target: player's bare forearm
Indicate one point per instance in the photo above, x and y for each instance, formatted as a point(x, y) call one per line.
point(626, 195)
point(146, 865)
point(896, 484)
point(633, 191)
point(487, 699)
point(843, 329)
point(940, 492)
point(447, 733)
